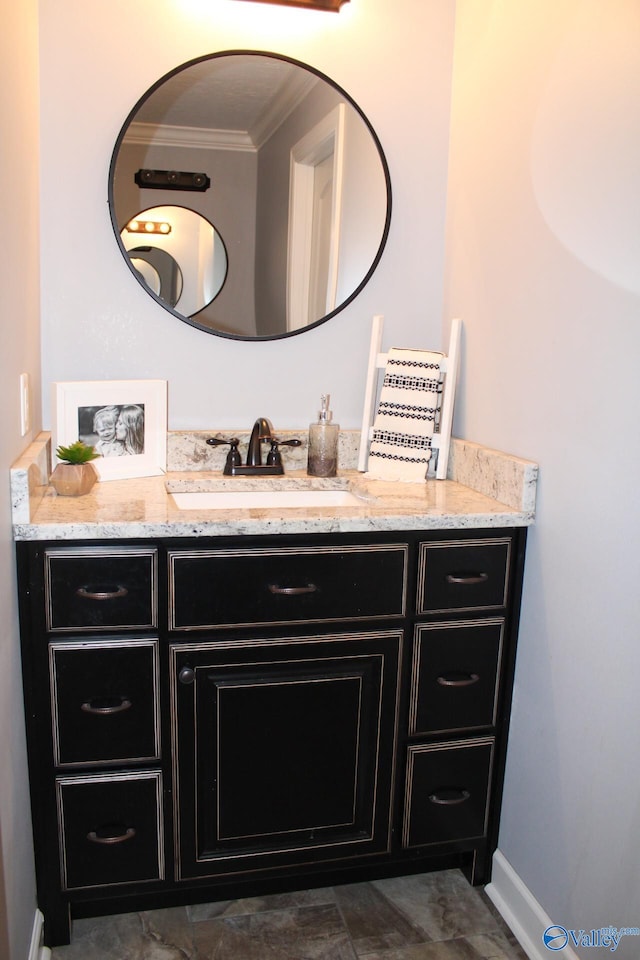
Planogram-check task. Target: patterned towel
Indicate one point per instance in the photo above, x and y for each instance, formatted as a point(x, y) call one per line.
point(407, 415)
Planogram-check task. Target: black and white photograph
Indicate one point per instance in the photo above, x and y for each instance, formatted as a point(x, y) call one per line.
point(114, 430)
point(125, 421)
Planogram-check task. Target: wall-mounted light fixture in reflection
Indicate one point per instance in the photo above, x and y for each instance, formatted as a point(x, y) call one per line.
point(148, 227)
point(172, 180)
point(333, 5)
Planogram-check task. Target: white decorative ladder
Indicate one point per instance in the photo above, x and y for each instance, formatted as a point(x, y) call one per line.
point(448, 370)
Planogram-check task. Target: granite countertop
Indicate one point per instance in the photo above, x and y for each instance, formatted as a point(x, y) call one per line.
point(486, 488)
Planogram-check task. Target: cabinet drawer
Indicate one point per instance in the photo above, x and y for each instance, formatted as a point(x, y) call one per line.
point(110, 829)
point(101, 589)
point(447, 792)
point(105, 701)
point(287, 585)
point(455, 676)
point(466, 575)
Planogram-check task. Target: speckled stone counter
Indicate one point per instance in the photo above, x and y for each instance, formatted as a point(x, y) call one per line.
point(486, 488)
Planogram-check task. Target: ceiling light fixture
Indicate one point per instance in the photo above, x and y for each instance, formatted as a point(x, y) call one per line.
point(333, 5)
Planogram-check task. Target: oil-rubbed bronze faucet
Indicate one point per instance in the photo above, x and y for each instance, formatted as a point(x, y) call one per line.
point(261, 433)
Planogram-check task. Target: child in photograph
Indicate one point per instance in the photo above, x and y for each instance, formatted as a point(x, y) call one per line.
point(104, 425)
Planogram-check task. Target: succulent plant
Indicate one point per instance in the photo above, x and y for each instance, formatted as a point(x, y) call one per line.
point(78, 452)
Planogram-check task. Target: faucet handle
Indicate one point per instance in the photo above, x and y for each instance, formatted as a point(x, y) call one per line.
point(219, 442)
point(285, 443)
point(233, 457)
point(273, 457)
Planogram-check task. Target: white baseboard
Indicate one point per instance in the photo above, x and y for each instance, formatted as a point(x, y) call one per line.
point(36, 950)
point(521, 911)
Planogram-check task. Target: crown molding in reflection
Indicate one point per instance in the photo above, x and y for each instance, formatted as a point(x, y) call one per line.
point(176, 136)
point(277, 111)
point(332, 5)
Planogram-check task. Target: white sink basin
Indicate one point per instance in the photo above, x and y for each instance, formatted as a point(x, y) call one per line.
point(258, 499)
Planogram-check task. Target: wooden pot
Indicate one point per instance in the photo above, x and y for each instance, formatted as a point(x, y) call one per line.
point(73, 479)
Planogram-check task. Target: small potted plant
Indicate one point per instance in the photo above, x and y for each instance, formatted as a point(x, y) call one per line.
point(75, 475)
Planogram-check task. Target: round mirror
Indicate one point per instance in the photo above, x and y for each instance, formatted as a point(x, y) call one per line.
point(286, 166)
point(185, 253)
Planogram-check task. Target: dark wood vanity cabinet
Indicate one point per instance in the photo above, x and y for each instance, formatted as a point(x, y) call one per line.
point(225, 717)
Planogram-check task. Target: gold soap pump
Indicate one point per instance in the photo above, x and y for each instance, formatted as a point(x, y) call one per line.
point(323, 442)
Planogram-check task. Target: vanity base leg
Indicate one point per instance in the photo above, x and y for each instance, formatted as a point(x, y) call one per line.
point(57, 926)
point(477, 869)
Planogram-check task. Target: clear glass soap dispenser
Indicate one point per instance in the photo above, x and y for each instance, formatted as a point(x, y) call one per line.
point(323, 442)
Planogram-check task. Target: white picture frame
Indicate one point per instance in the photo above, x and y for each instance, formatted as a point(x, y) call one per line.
point(125, 420)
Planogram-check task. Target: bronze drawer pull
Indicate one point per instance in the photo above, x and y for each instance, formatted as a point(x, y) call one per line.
point(449, 796)
point(467, 578)
point(104, 706)
point(292, 591)
point(128, 833)
point(454, 679)
point(89, 593)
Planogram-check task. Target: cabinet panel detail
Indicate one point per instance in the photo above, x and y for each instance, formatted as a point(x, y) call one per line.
point(447, 792)
point(465, 575)
point(93, 588)
point(105, 704)
point(110, 829)
point(254, 756)
point(292, 752)
point(288, 585)
point(455, 676)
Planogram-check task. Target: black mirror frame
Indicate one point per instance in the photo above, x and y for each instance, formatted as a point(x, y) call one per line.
point(192, 321)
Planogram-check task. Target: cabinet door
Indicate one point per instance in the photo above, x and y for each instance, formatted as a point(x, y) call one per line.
point(283, 750)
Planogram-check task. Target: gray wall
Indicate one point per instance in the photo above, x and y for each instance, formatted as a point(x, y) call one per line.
point(19, 353)
point(542, 264)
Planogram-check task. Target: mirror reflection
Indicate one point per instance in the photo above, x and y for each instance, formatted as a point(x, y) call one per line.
point(159, 271)
point(299, 191)
point(182, 257)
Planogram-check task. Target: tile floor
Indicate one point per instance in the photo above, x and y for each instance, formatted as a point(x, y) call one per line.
point(434, 916)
